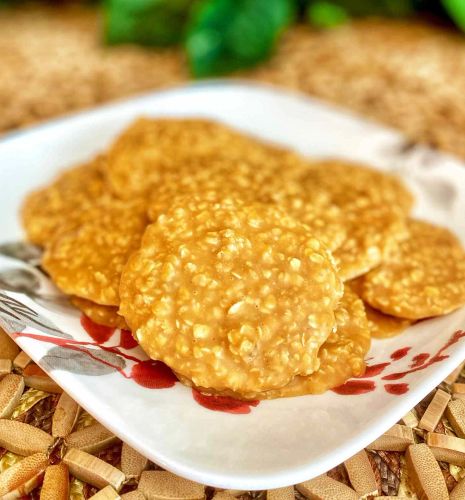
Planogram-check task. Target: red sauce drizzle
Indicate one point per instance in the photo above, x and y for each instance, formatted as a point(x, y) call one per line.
point(147, 373)
point(223, 403)
point(372, 371)
point(396, 389)
point(99, 333)
point(153, 375)
point(419, 359)
point(127, 341)
point(156, 375)
point(354, 387)
point(142, 375)
point(400, 353)
point(439, 356)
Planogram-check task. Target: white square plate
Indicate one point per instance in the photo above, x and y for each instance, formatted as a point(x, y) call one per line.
point(278, 442)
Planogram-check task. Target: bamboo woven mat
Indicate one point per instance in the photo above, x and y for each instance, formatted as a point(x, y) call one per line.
point(409, 75)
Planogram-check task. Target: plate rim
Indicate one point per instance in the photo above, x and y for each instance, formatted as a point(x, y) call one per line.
point(297, 474)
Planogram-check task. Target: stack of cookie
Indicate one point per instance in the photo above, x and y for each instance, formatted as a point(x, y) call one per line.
point(247, 269)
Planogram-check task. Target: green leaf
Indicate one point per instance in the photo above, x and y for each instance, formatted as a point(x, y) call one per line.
point(147, 22)
point(323, 14)
point(226, 35)
point(456, 10)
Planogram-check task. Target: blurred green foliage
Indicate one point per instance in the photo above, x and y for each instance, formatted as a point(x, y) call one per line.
point(456, 10)
point(325, 14)
point(226, 35)
point(147, 22)
point(221, 36)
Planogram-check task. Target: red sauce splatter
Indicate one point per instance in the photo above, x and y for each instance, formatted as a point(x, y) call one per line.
point(439, 356)
point(127, 341)
point(223, 403)
point(99, 333)
point(419, 359)
point(74, 345)
point(372, 371)
point(153, 375)
point(400, 353)
point(396, 389)
point(156, 375)
point(353, 387)
point(68, 343)
point(148, 373)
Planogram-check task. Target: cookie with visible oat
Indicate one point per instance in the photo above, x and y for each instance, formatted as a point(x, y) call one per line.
point(56, 207)
point(149, 148)
point(382, 326)
point(243, 180)
point(233, 296)
point(87, 261)
point(374, 205)
point(341, 356)
point(424, 277)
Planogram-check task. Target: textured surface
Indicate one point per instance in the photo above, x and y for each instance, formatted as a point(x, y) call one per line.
point(87, 261)
point(373, 206)
point(56, 483)
point(424, 277)
point(141, 156)
point(341, 356)
point(381, 325)
point(358, 186)
point(163, 485)
point(58, 207)
point(23, 476)
point(425, 473)
point(408, 74)
point(261, 173)
point(82, 72)
point(232, 296)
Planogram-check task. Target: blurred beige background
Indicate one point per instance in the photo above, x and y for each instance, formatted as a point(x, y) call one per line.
point(409, 74)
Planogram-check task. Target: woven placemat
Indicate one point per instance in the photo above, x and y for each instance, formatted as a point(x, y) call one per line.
point(410, 75)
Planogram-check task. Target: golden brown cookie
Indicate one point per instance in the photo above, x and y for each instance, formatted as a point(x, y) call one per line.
point(149, 148)
point(102, 315)
point(231, 295)
point(341, 356)
point(312, 207)
point(424, 277)
point(372, 234)
point(87, 261)
point(355, 184)
point(382, 326)
point(374, 206)
point(208, 176)
point(56, 206)
point(242, 179)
